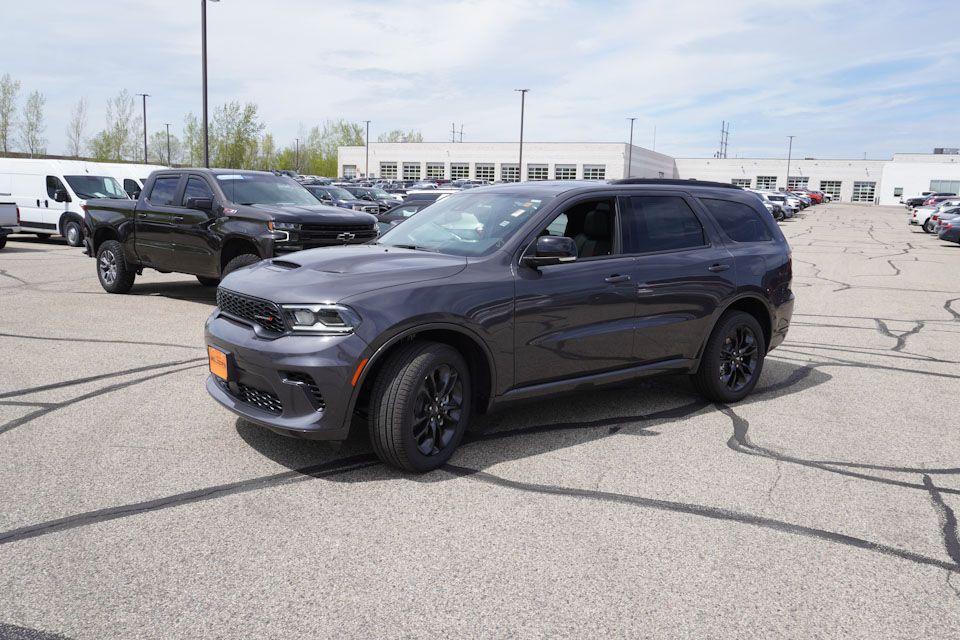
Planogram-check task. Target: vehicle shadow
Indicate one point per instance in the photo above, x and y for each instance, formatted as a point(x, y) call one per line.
point(56, 242)
point(644, 408)
point(186, 290)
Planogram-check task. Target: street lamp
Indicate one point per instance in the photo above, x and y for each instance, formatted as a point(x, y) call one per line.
point(630, 148)
point(206, 139)
point(789, 153)
point(366, 169)
point(145, 96)
point(169, 159)
point(523, 99)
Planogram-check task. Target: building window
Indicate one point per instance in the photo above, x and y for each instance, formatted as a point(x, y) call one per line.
point(434, 170)
point(486, 172)
point(411, 170)
point(797, 182)
point(349, 171)
point(767, 182)
point(741, 182)
point(510, 172)
point(388, 170)
point(594, 171)
point(832, 187)
point(537, 172)
point(863, 191)
point(945, 186)
point(459, 170)
point(897, 191)
point(565, 171)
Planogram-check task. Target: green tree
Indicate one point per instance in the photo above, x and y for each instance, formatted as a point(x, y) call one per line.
point(76, 128)
point(398, 135)
point(318, 152)
point(9, 88)
point(119, 140)
point(267, 154)
point(192, 146)
point(235, 135)
point(158, 148)
point(32, 126)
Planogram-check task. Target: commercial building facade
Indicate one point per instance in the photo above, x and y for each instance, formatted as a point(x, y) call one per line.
point(866, 181)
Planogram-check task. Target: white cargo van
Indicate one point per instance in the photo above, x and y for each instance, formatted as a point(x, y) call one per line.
point(131, 176)
point(50, 193)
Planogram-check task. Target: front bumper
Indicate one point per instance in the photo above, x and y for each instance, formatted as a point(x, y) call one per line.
point(298, 386)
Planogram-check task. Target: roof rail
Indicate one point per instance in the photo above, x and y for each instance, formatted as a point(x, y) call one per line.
point(696, 183)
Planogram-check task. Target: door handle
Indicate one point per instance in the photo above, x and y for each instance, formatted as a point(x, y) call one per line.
point(718, 267)
point(616, 278)
point(178, 218)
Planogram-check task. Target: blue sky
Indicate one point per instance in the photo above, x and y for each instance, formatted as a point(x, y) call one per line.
point(846, 78)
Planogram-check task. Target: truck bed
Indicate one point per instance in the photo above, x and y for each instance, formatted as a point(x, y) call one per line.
point(8, 215)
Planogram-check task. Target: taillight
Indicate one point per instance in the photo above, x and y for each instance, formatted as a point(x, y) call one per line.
point(18, 216)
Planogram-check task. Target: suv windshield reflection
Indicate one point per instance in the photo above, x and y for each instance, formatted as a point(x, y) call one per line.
point(468, 224)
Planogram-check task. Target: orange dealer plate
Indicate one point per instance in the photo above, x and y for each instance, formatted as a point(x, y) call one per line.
point(218, 363)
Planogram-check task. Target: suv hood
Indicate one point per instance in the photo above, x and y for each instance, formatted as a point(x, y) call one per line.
point(330, 274)
point(320, 214)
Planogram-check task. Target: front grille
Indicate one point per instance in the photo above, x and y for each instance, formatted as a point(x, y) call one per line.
point(262, 312)
point(324, 234)
point(307, 382)
point(258, 398)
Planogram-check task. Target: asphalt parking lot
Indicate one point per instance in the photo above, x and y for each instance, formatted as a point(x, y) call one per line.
point(823, 506)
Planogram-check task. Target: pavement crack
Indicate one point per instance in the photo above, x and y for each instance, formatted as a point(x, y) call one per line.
point(948, 521)
point(901, 338)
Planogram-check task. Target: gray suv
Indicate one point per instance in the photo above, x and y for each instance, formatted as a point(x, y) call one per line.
point(500, 294)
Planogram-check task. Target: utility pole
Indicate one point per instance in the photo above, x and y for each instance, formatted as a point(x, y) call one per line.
point(630, 148)
point(169, 159)
point(296, 162)
point(206, 138)
point(366, 169)
point(461, 132)
point(789, 154)
point(145, 96)
point(523, 100)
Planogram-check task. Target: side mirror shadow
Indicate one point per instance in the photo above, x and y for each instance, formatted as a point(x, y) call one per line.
point(549, 250)
point(202, 204)
point(61, 195)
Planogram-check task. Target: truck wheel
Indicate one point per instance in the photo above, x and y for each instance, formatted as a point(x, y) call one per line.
point(420, 406)
point(114, 273)
point(71, 231)
point(3, 241)
point(208, 282)
point(732, 360)
point(243, 260)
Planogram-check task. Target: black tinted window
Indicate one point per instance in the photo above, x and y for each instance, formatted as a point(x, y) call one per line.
point(661, 223)
point(196, 188)
point(131, 187)
point(740, 222)
point(53, 183)
point(164, 190)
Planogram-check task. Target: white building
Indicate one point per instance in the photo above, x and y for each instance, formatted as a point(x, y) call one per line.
point(854, 180)
point(494, 161)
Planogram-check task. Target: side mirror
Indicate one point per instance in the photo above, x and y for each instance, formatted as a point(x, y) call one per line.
point(549, 250)
point(202, 204)
point(61, 195)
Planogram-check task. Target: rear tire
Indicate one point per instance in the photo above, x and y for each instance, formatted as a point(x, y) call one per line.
point(241, 261)
point(928, 226)
point(732, 360)
point(73, 234)
point(208, 282)
point(420, 406)
point(114, 273)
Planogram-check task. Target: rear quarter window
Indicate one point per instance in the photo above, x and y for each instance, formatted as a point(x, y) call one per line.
point(740, 222)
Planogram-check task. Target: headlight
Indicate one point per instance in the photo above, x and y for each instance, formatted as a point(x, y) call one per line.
point(322, 319)
point(283, 226)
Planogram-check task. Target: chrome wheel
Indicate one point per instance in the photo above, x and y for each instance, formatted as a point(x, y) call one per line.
point(437, 410)
point(108, 267)
point(739, 356)
point(73, 235)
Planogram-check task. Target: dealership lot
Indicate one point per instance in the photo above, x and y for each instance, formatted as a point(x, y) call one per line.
point(822, 506)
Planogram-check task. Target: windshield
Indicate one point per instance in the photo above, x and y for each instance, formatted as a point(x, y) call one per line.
point(467, 224)
point(251, 188)
point(379, 193)
point(88, 187)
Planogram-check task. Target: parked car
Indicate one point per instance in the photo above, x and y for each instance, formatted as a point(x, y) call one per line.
point(937, 198)
point(944, 215)
point(917, 200)
point(503, 294)
point(923, 216)
point(400, 213)
point(382, 199)
point(339, 197)
point(210, 222)
point(424, 184)
point(950, 230)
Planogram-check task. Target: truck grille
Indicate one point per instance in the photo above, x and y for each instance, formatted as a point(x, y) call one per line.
point(261, 312)
point(326, 234)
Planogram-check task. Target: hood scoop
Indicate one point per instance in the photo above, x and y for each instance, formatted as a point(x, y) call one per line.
point(285, 264)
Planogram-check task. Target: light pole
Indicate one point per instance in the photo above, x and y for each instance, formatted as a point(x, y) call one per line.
point(366, 169)
point(206, 138)
point(523, 100)
point(789, 153)
point(169, 159)
point(145, 96)
point(630, 148)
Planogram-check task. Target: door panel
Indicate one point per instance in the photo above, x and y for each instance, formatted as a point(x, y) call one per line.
point(53, 210)
point(191, 241)
point(155, 222)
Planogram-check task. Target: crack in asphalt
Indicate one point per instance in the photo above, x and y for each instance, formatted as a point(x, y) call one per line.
point(901, 338)
point(948, 520)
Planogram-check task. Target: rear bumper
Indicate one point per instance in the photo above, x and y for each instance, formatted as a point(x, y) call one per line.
point(950, 235)
point(781, 322)
point(297, 386)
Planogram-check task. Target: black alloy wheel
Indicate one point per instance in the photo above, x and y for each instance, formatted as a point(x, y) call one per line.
point(732, 358)
point(739, 356)
point(438, 409)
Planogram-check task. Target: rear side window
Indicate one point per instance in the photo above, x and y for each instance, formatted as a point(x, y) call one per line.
point(196, 188)
point(740, 222)
point(661, 223)
point(164, 190)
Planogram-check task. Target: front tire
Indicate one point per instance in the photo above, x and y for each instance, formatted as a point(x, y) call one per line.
point(114, 273)
point(420, 406)
point(71, 231)
point(243, 260)
point(732, 360)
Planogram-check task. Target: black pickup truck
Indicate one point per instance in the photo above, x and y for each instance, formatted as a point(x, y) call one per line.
point(209, 222)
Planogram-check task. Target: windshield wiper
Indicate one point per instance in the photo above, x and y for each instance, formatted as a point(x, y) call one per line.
point(415, 247)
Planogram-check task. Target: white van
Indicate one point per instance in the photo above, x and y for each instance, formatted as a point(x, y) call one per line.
point(131, 176)
point(50, 193)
